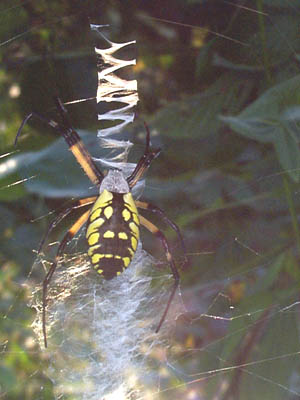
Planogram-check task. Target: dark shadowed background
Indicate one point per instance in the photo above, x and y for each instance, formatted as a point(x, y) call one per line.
point(219, 84)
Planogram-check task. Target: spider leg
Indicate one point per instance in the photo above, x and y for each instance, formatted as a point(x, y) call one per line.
point(73, 140)
point(79, 203)
point(144, 162)
point(68, 236)
point(148, 206)
point(155, 231)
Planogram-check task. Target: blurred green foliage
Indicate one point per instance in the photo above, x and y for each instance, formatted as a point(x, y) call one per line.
point(219, 82)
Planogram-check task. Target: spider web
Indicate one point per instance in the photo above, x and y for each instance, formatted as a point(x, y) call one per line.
point(239, 338)
point(101, 334)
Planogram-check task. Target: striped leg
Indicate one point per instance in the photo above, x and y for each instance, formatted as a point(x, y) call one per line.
point(79, 203)
point(73, 140)
point(77, 147)
point(147, 206)
point(69, 235)
point(144, 162)
point(155, 231)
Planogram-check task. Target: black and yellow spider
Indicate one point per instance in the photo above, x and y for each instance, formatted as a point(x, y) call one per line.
point(113, 222)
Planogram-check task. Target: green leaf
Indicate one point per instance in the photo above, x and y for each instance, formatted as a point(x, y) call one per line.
point(197, 116)
point(274, 118)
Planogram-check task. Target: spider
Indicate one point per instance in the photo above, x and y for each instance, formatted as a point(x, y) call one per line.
point(112, 221)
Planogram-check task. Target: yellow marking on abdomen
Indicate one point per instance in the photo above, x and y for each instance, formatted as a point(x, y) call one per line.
point(136, 218)
point(108, 212)
point(126, 261)
point(109, 235)
point(95, 214)
point(94, 226)
point(93, 239)
point(126, 214)
point(103, 200)
point(128, 199)
point(96, 258)
point(133, 243)
point(122, 235)
point(105, 197)
point(134, 229)
point(130, 251)
point(92, 249)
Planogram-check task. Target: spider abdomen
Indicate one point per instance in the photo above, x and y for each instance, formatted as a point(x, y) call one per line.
point(112, 233)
